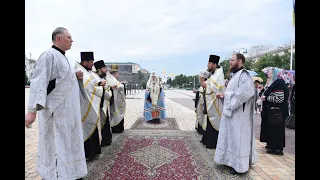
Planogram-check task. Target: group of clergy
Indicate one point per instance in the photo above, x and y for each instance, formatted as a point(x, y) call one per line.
point(224, 113)
point(78, 109)
point(102, 104)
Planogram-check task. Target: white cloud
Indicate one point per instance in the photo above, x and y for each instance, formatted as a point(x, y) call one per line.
point(126, 30)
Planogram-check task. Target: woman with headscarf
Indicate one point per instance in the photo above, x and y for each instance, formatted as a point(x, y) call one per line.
point(274, 111)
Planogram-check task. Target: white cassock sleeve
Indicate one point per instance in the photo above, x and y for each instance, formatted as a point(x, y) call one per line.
point(39, 82)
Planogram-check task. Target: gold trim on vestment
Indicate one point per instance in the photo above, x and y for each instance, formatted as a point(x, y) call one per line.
point(88, 81)
point(215, 107)
point(91, 100)
point(117, 112)
point(215, 83)
point(96, 127)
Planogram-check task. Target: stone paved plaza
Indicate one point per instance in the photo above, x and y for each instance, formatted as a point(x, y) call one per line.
point(179, 105)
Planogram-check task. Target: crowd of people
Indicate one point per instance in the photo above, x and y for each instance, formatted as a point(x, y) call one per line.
point(81, 105)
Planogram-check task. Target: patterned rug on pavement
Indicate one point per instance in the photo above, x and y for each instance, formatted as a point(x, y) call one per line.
point(157, 154)
point(165, 124)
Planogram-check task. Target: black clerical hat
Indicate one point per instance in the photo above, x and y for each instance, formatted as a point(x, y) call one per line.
point(214, 59)
point(99, 64)
point(86, 56)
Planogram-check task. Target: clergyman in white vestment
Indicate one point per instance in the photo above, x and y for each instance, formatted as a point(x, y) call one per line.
point(213, 105)
point(103, 87)
point(118, 104)
point(236, 141)
point(55, 93)
point(90, 108)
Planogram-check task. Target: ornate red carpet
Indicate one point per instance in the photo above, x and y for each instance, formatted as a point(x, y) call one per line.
point(156, 155)
point(167, 124)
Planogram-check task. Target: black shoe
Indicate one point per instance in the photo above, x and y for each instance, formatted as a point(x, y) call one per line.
point(80, 179)
point(276, 152)
point(117, 132)
point(108, 143)
point(233, 172)
point(89, 159)
point(209, 147)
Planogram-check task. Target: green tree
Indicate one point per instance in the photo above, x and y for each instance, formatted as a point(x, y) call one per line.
point(180, 80)
point(225, 65)
point(270, 60)
point(197, 82)
point(140, 76)
point(169, 81)
point(249, 64)
point(144, 84)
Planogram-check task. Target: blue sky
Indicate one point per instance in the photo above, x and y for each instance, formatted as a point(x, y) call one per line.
point(175, 35)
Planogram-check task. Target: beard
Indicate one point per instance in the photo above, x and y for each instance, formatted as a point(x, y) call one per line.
point(102, 74)
point(234, 68)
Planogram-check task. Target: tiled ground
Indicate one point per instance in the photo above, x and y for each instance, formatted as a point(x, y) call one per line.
point(268, 166)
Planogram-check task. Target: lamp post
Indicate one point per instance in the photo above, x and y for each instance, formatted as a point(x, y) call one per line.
point(194, 82)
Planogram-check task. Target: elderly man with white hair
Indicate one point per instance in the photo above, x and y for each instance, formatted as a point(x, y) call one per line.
point(154, 106)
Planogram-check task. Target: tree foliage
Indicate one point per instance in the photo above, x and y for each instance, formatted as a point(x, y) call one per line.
point(185, 81)
point(169, 81)
point(267, 60)
point(274, 60)
point(225, 65)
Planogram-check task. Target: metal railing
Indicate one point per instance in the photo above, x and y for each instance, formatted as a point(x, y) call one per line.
point(131, 88)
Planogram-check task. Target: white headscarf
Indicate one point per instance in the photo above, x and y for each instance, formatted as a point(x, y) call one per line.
point(151, 81)
point(205, 74)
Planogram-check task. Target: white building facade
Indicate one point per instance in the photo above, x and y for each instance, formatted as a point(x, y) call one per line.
point(29, 66)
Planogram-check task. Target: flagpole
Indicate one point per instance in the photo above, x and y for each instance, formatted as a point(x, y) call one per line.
point(291, 56)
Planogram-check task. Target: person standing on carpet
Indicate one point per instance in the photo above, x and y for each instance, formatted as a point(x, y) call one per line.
point(154, 106)
point(201, 115)
point(102, 89)
point(213, 106)
point(236, 143)
point(90, 107)
point(118, 105)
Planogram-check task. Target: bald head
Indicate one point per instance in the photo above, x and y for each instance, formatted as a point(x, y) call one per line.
point(62, 38)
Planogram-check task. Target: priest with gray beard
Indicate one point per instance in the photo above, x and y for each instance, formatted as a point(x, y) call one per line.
point(236, 142)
